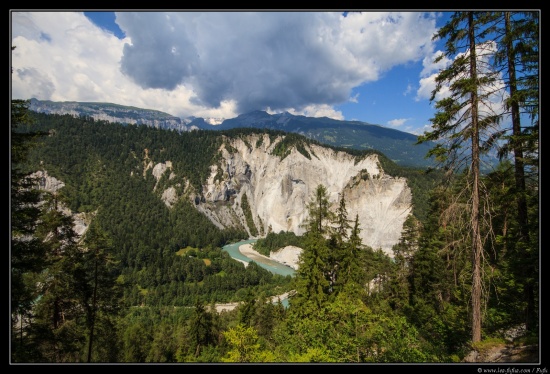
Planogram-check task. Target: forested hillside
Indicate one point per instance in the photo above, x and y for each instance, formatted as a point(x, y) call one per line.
point(397, 145)
point(105, 177)
point(140, 283)
point(164, 268)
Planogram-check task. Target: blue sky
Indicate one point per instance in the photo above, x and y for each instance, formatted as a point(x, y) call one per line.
point(375, 67)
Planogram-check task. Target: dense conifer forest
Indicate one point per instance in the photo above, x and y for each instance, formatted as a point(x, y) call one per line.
point(140, 286)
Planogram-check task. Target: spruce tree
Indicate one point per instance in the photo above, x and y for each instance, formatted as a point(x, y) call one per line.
point(338, 243)
point(312, 278)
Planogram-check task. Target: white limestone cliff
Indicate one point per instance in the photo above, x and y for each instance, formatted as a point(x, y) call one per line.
point(278, 190)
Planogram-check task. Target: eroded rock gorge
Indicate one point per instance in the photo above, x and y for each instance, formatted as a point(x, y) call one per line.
point(278, 189)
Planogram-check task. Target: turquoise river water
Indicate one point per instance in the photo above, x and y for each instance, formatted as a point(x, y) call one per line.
point(273, 266)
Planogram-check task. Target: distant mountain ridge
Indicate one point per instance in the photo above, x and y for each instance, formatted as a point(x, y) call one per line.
point(397, 145)
point(111, 113)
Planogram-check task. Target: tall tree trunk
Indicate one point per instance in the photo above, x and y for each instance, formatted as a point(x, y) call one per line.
point(519, 171)
point(476, 236)
point(92, 316)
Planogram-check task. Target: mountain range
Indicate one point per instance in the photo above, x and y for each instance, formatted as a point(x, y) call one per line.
point(397, 145)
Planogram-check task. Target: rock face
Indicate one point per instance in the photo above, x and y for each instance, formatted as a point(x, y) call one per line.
point(112, 113)
point(50, 184)
point(505, 353)
point(289, 256)
point(47, 182)
point(278, 189)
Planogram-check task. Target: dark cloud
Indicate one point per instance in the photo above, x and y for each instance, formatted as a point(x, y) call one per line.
point(161, 54)
point(268, 59)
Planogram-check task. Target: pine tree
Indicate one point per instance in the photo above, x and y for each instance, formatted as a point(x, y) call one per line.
point(312, 285)
point(319, 215)
point(58, 311)
point(247, 309)
point(200, 327)
point(27, 252)
point(341, 221)
point(97, 288)
point(352, 273)
point(244, 346)
point(338, 244)
point(312, 279)
point(463, 116)
point(403, 254)
point(518, 57)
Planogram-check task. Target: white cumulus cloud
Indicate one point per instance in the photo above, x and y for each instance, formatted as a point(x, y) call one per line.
point(214, 64)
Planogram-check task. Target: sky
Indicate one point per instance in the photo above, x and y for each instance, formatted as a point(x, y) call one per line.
point(370, 66)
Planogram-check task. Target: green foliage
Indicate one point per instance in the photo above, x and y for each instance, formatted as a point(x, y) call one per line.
point(347, 331)
point(244, 346)
point(275, 241)
point(145, 232)
point(317, 354)
point(200, 327)
point(27, 253)
point(462, 127)
point(97, 288)
point(312, 286)
point(319, 215)
point(417, 311)
point(164, 344)
point(267, 316)
point(187, 251)
point(260, 141)
point(397, 341)
point(514, 263)
point(72, 282)
point(137, 341)
point(288, 142)
point(58, 312)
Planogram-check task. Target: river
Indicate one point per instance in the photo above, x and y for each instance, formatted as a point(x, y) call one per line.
point(271, 265)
